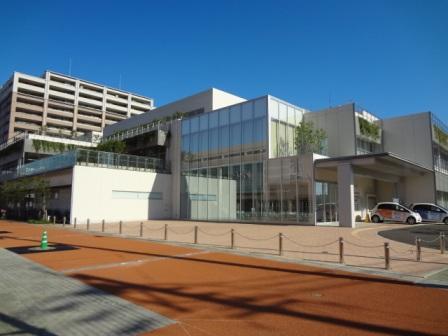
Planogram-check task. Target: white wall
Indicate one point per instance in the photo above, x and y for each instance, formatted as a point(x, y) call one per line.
point(409, 137)
point(208, 100)
point(92, 195)
point(420, 189)
point(339, 126)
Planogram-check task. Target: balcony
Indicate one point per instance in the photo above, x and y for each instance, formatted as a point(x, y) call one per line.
point(94, 103)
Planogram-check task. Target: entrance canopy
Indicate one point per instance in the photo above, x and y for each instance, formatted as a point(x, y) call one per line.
point(379, 177)
point(385, 167)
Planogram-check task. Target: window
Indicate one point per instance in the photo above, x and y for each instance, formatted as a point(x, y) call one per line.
point(387, 206)
point(121, 194)
point(401, 209)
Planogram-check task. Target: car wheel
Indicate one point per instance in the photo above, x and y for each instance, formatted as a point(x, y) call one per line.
point(411, 220)
point(376, 219)
point(445, 221)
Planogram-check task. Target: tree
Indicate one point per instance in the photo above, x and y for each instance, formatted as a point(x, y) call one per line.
point(14, 193)
point(114, 146)
point(308, 139)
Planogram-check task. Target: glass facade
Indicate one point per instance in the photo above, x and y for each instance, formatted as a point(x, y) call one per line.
point(226, 173)
point(326, 202)
point(440, 145)
point(440, 157)
point(283, 119)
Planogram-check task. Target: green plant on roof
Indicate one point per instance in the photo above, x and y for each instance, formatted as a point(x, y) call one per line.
point(441, 136)
point(369, 129)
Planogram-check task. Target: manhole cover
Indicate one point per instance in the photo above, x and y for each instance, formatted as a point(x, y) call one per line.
point(37, 249)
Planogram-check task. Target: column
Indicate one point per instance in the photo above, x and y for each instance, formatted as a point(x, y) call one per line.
point(346, 195)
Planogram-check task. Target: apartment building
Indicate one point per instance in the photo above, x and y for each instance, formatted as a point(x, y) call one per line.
point(61, 105)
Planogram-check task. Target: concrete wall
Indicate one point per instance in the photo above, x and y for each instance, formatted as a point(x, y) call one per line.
point(92, 195)
point(409, 137)
point(209, 100)
point(419, 189)
point(339, 125)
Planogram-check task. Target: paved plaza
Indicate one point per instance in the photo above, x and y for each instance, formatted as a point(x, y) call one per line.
point(168, 289)
point(363, 246)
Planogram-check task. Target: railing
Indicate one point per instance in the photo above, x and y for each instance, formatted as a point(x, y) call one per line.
point(13, 140)
point(119, 161)
point(87, 158)
point(137, 131)
point(332, 251)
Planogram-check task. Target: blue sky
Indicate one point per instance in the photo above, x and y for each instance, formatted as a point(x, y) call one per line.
point(389, 56)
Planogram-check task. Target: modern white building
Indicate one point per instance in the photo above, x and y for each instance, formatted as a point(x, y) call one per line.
point(225, 158)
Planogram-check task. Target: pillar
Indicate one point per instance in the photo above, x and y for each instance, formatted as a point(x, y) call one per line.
point(346, 195)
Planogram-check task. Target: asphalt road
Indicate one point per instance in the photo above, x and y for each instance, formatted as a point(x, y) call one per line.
point(428, 233)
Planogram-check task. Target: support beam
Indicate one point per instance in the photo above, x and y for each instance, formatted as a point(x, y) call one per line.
point(346, 195)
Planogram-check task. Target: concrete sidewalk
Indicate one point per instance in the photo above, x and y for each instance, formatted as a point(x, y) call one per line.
point(363, 246)
point(35, 300)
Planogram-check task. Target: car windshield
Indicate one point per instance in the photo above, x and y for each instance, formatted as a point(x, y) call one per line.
point(406, 208)
point(444, 209)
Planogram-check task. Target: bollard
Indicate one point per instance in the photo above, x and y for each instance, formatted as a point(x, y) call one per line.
point(280, 244)
point(74, 222)
point(341, 250)
point(141, 229)
point(418, 243)
point(120, 227)
point(196, 234)
point(442, 243)
point(386, 256)
point(165, 232)
point(103, 224)
point(232, 238)
point(54, 219)
point(88, 224)
point(63, 221)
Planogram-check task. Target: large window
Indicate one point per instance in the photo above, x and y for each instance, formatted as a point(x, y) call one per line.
point(222, 160)
point(284, 119)
point(326, 202)
point(226, 172)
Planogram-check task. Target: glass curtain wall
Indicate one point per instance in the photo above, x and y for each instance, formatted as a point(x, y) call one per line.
point(222, 163)
point(226, 170)
point(440, 145)
point(440, 153)
point(326, 202)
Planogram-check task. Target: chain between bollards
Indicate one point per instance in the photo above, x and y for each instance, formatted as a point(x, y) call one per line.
point(418, 243)
point(280, 244)
point(386, 256)
point(165, 232)
point(88, 224)
point(195, 234)
point(341, 250)
point(442, 243)
point(141, 229)
point(232, 238)
point(103, 224)
point(120, 227)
